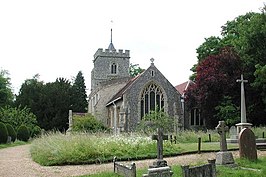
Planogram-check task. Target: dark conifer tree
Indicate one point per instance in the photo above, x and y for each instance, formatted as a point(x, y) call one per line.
point(79, 96)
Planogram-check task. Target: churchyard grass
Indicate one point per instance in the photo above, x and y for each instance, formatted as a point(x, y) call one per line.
point(12, 144)
point(81, 148)
point(258, 131)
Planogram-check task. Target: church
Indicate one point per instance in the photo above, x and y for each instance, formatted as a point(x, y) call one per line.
point(120, 101)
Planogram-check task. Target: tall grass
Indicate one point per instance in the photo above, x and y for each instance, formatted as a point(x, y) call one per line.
point(56, 148)
point(80, 148)
point(189, 136)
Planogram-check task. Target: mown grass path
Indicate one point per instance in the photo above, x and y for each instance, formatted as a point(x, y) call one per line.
point(16, 161)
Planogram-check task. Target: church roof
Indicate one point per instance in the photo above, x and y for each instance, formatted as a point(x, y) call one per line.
point(119, 94)
point(181, 88)
point(111, 47)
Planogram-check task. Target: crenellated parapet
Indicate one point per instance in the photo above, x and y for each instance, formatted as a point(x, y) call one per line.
point(111, 53)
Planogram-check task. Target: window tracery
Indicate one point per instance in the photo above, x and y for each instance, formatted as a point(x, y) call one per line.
point(151, 97)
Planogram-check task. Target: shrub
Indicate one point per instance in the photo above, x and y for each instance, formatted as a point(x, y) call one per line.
point(3, 133)
point(17, 116)
point(23, 133)
point(36, 131)
point(11, 132)
point(87, 123)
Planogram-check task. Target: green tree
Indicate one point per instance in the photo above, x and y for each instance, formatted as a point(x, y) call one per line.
point(247, 35)
point(30, 95)
point(216, 77)
point(6, 95)
point(56, 103)
point(260, 81)
point(228, 111)
point(134, 70)
point(17, 116)
point(156, 119)
point(79, 96)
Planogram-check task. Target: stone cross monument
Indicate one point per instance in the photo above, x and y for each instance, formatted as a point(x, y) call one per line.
point(222, 129)
point(223, 157)
point(159, 167)
point(243, 123)
point(160, 137)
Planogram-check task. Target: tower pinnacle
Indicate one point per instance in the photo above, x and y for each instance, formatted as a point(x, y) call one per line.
point(111, 45)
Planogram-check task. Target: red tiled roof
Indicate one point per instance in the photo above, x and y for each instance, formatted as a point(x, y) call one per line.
point(181, 88)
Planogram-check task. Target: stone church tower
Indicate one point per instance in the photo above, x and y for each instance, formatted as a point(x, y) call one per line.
point(109, 65)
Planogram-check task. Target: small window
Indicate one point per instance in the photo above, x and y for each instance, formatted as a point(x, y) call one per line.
point(152, 73)
point(113, 68)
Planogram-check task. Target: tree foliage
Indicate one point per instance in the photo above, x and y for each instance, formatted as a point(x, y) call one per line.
point(6, 94)
point(216, 76)
point(156, 119)
point(228, 111)
point(56, 102)
point(79, 96)
point(246, 34)
point(50, 102)
point(134, 70)
point(17, 116)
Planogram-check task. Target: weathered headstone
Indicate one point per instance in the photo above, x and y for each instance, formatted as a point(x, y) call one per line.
point(247, 144)
point(206, 170)
point(124, 170)
point(159, 172)
point(223, 157)
point(233, 132)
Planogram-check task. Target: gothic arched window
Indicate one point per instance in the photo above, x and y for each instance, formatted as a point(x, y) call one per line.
point(151, 97)
point(113, 68)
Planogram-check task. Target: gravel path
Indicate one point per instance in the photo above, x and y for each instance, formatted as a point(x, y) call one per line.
point(16, 161)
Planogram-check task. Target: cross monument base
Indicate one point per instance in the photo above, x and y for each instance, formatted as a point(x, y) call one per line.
point(241, 126)
point(158, 163)
point(224, 158)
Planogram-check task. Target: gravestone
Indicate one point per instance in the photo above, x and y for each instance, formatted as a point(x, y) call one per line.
point(233, 132)
point(206, 170)
point(223, 157)
point(159, 172)
point(247, 144)
point(124, 170)
point(233, 135)
point(159, 167)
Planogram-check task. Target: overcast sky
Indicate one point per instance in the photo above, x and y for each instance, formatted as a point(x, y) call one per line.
point(58, 38)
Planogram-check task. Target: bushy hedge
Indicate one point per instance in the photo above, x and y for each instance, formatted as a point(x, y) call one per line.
point(36, 131)
point(87, 123)
point(11, 132)
point(3, 133)
point(23, 133)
